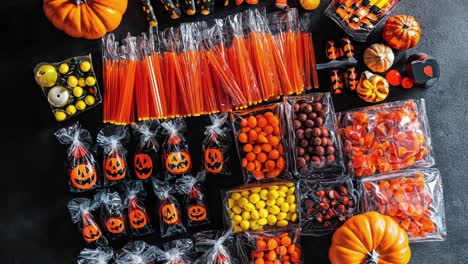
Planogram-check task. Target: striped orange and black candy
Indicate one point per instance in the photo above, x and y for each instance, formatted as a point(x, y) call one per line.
point(332, 52)
point(351, 78)
point(347, 47)
point(336, 82)
point(149, 12)
point(172, 7)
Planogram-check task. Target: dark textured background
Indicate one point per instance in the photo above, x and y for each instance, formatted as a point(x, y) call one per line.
point(34, 223)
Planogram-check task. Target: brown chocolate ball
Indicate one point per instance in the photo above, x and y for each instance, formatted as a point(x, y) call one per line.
point(307, 109)
point(306, 157)
point(300, 151)
point(324, 141)
point(325, 131)
point(295, 107)
point(303, 106)
point(315, 160)
point(308, 133)
point(301, 162)
point(330, 142)
point(312, 115)
point(319, 150)
point(300, 133)
point(304, 143)
point(323, 114)
point(330, 158)
point(302, 117)
point(309, 123)
point(318, 107)
point(317, 132)
point(317, 141)
point(330, 150)
point(310, 149)
point(297, 124)
point(319, 121)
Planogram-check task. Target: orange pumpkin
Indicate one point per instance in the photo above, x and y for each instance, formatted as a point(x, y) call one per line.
point(378, 57)
point(83, 176)
point(402, 32)
point(370, 238)
point(372, 88)
point(90, 19)
point(213, 160)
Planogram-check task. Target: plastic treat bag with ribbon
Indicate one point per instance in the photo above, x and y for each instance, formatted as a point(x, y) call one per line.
point(145, 161)
point(195, 199)
point(138, 219)
point(100, 255)
point(176, 252)
point(176, 157)
point(137, 252)
point(112, 139)
point(169, 210)
point(80, 211)
point(216, 146)
point(82, 168)
point(218, 248)
point(185, 246)
point(112, 214)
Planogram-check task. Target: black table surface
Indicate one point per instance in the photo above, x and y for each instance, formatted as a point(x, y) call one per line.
point(35, 226)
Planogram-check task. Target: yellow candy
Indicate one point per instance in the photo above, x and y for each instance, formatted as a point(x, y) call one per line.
point(292, 207)
point(279, 201)
point(255, 215)
point(71, 110)
point(230, 203)
point(236, 196)
point(60, 115)
point(283, 189)
point(63, 68)
point(263, 213)
point(246, 215)
point(245, 193)
point(255, 190)
point(285, 207)
point(271, 220)
point(260, 204)
point(249, 207)
point(245, 225)
point(291, 199)
point(77, 91)
point(282, 216)
point(264, 194)
point(262, 222)
point(254, 198)
point(255, 226)
point(90, 81)
point(273, 188)
point(81, 82)
point(294, 217)
point(236, 209)
point(237, 229)
point(291, 190)
point(289, 184)
point(89, 100)
point(243, 201)
point(271, 202)
point(274, 209)
point(282, 223)
point(72, 81)
point(85, 66)
point(289, 216)
point(80, 105)
point(273, 194)
point(281, 194)
point(237, 219)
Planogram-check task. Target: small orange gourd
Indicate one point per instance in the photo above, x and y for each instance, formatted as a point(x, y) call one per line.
point(370, 238)
point(372, 88)
point(402, 32)
point(90, 19)
point(378, 57)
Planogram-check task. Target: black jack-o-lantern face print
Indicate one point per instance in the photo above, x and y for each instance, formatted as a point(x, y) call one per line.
point(137, 218)
point(178, 162)
point(213, 160)
point(91, 233)
point(169, 214)
point(115, 225)
point(143, 166)
point(197, 213)
point(115, 168)
point(83, 177)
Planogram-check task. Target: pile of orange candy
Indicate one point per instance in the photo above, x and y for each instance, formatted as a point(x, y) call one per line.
point(275, 250)
point(260, 136)
point(384, 141)
point(406, 201)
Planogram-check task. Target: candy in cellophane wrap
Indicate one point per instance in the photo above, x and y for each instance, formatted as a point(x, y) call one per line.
point(387, 137)
point(137, 252)
point(80, 211)
point(176, 157)
point(326, 204)
point(176, 252)
point(413, 198)
point(138, 219)
point(195, 200)
point(112, 214)
point(262, 142)
point(219, 247)
point(145, 161)
point(216, 146)
point(275, 247)
point(262, 206)
point(359, 18)
point(82, 168)
point(112, 139)
point(169, 210)
point(313, 125)
point(100, 255)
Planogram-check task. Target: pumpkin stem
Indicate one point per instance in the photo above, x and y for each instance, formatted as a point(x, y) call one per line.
point(405, 26)
point(382, 56)
point(79, 2)
point(372, 257)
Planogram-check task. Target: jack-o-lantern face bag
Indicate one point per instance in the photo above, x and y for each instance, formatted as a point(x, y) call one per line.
point(112, 139)
point(137, 252)
point(112, 214)
point(216, 146)
point(100, 255)
point(195, 200)
point(82, 168)
point(138, 220)
point(145, 160)
point(169, 210)
point(176, 157)
point(80, 211)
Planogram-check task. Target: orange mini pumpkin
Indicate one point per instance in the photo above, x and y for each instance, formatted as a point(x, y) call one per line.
point(143, 165)
point(170, 214)
point(115, 168)
point(370, 238)
point(213, 160)
point(83, 176)
point(90, 19)
point(379, 57)
point(402, 32)
point(197, 213)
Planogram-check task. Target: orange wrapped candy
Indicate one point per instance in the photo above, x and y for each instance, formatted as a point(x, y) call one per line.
point(282, 247)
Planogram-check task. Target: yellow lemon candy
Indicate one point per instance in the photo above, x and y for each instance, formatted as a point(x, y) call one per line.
point(274, 209)
point(282, 216)
point(264, 194)
point(254, 198)
point(281, 194)
point(77, 91)
point(279, 201)
point(292, 207)
point(255, 190)
point(271, 202)
point(237, 219)
point(294, 217)
point(285, 207)
point(90, 81)
point(271, 220)
point(89, 100)
point(245, 225)
point(71, 110)
point(80, 105)
point(237, 229)
point(291, 190)
point(236, 209)
point(263, 213)
point(254, 215)
point(273, 188)
point(283, 189)
point(235, 196)
point(72, 81)
point(245, 193)
point(249, 207)
point(262, 222)
point(260, 204)
point(230, 203)
point(63, 68)
point(81, 82)
point(289, 184)
point(272, 194)
point(255, 226)
point(85, 66)
point(60, 115)
point(246, 215)
point(291, 199)
point(243, 201)
point(282, 223)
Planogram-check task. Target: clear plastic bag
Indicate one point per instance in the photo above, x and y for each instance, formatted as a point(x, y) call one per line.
point(262, 142)
point(169, 210)
point(262, 206)
point(216, 147)
point(112, 139)
point(359, 18)
point(145, 161)
point(280, 246)
point(70, 86)
point(312, 132)
point(80, 211)
point(326, 204)
point(413, 198)
point(138, 219)
point(176, 252)
point(137, 252)
point(195, 199)
point(219, 248)
point(176, 157)
point(100, 255)
point(82, 168)
point(386, 137)
point(112, 214)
